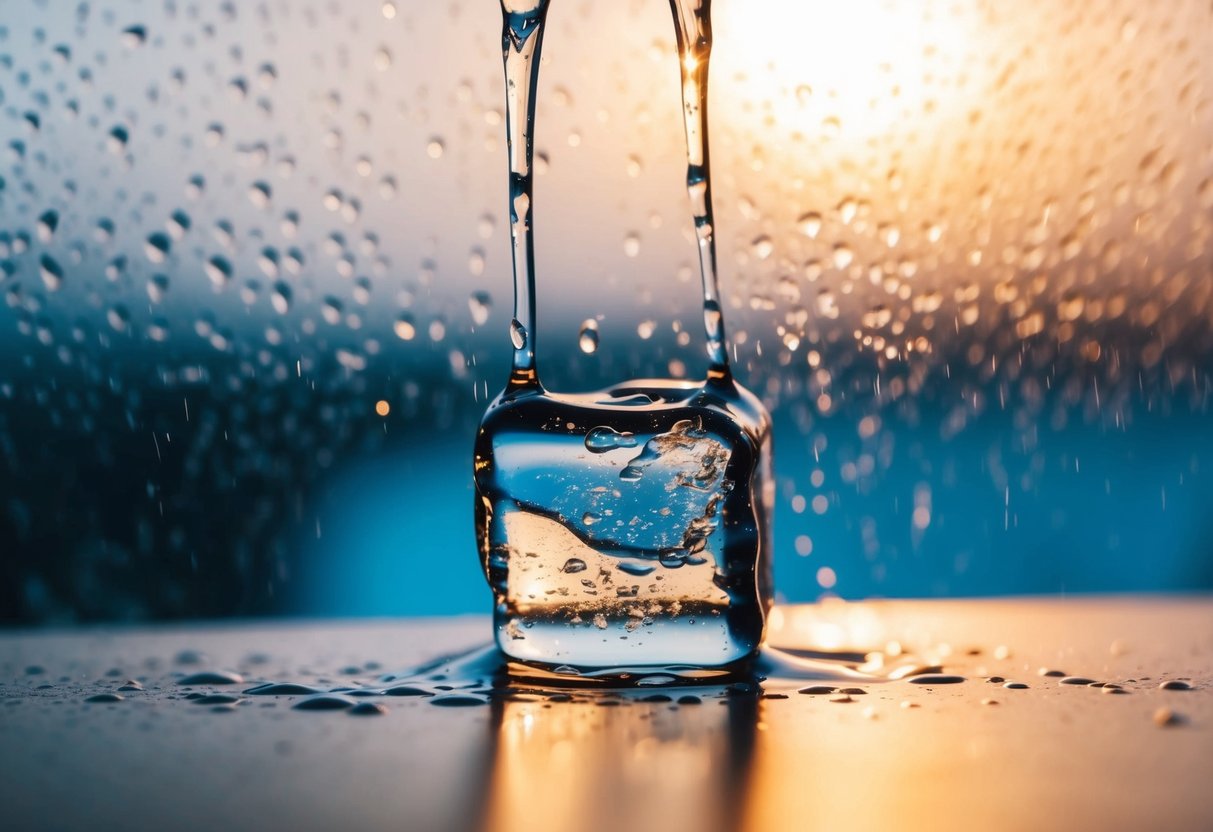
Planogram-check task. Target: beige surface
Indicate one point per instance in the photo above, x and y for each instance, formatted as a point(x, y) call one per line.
point(901, 756)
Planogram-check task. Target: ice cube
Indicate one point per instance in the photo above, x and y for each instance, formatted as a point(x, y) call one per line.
point(657, 493)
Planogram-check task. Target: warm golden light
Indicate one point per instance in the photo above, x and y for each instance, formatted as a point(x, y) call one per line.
point(567, 768)
point(843, 70)
point(382, 408)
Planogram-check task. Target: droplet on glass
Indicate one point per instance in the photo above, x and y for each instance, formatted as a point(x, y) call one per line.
point(404, 327)
point(809, 224)
point(134, 36)
point(588, 337)
point(479, 304)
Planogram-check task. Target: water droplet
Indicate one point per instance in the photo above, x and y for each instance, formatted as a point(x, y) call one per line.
point(637, 569)
point(51, 273)
point(817, 690)
point(104, 232)
point(847, 209)
point(218, 271)
point(842, 256)
point(631, 244)
point(368, 709)
point(476, 262)
point(435, 148)
point(157, 247)
point(458, 700)
point(259, 194)
point(1076, 680)
point(216, 699)
point(117, 139)
point(267, 261)
point(282, 689)
point(158, 286)
point(1167, 718)
point(936, 679)
point(211, 677)
point(214, 134)
point(480, 304)
point(407, 690)
point(517, 334)
point(588, 337)
point(46, 225)
point(105, 697)
point(486, 225)
point(602, 439)
point(134, 36)
point(178, 224)
point(1174, 684)
point(331, 310)
point(404, 327)
point(280, 297)
point(324, 702)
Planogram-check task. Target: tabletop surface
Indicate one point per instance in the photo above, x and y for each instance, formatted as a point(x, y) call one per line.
point(966, 752)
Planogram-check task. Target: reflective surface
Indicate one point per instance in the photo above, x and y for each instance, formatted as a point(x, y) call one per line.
point(893, 754)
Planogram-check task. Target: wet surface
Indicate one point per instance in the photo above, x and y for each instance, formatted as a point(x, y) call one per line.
point(925, 705)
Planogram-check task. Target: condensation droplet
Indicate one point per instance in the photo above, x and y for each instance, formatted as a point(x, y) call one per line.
point(809, 224)
point(588, 337)
point(480, 304)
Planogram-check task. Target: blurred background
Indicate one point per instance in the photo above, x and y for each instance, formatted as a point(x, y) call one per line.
point(256, 282)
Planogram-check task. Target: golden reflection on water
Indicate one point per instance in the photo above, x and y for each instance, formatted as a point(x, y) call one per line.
point(900, 755)
point(718, 764)
point(586, 766)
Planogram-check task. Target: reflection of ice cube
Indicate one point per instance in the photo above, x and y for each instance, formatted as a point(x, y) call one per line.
point(641, 507)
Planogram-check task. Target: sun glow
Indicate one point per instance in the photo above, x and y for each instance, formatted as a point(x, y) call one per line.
point(842, 71)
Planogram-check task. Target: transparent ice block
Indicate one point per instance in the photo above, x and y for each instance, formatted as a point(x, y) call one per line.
point(627, 527)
